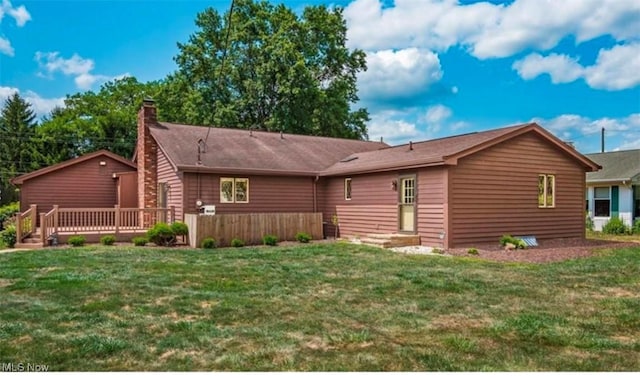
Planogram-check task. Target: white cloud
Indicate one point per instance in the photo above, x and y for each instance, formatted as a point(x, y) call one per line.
point(561, 68)
point(488, 30)
point(620, 133)
point(398, 74)
point(615, 69)
point(77, 66)
point(437, 114)
point(5, 47)
point(41, 106)
point(20, 15)
point(392, 127)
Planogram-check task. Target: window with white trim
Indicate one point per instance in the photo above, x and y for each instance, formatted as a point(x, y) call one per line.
point(601, 201)
point(546, 191)
point(347, 189)
point(234, 190)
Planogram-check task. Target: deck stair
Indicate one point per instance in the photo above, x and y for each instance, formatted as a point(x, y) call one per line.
point(31, 242)
point(390, 240)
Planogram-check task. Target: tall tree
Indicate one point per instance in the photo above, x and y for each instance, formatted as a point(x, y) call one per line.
point(275, 71)
point(91, 121)
point(18, 148)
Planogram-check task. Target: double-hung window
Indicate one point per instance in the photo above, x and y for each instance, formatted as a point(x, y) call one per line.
point(234, 190)
point(602, 201)
point(546, 191)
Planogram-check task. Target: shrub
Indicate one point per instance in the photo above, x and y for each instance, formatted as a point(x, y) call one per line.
point(8, 236)
point(508, 239)
point(615, 226)
point(237, 243)
point(303, 237)
point(161, 234)
point(270, 240)
point(7, 212)
point(107, 240)
point(636, 227)
point(208, 243)
point(77, 240)
point(472, 251)
point(588, 222)
point(139, 241)
point(438, 251)
point(180, 228)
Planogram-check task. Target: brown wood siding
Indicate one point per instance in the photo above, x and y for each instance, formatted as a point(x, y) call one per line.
point(373, 207)
point(495, 192)
point(166, 174)
point(86, 184)
point(431, 205)
point(267, 194)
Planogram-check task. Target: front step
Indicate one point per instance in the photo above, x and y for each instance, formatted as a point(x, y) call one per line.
point(31, 242)
point(390, 240)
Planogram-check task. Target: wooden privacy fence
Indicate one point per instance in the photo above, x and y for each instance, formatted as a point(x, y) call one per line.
point(251, 227)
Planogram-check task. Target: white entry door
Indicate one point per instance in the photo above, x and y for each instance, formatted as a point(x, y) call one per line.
point(407, 206)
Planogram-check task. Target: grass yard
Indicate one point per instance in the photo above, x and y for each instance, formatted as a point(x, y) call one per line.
point(317, 307)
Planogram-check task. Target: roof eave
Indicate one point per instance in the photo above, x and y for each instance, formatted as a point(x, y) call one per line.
point(244, 171)
point(377, 169)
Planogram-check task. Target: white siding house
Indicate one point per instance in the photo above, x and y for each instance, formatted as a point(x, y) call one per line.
point(614, 191)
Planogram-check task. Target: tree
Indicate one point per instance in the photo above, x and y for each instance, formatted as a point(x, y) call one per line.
point(276, 71)
point(92, 121)
point(18, 148)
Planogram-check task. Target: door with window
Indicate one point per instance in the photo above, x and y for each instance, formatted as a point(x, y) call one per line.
point(407, 204)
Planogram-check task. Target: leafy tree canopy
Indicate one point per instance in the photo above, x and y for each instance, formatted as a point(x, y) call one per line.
point(279, 71)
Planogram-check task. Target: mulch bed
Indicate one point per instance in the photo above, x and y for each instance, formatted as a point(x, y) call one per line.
point(547, 250)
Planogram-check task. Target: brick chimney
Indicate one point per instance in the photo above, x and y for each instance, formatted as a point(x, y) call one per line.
point(147, 156)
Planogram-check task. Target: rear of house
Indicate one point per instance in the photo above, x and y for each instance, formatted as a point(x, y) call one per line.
point(462, 190)
point(614, 191)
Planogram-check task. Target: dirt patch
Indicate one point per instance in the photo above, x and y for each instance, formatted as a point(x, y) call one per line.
point(547, 251)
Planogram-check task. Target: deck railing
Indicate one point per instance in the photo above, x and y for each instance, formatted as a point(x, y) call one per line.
point(26, 223)
point(100, 220)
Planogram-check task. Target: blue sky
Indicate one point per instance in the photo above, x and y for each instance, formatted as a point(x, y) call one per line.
point(436, 67)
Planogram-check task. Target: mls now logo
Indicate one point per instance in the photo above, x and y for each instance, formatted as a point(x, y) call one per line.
point(20, 367)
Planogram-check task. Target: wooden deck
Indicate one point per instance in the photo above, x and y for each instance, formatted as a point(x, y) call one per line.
point(59, 224)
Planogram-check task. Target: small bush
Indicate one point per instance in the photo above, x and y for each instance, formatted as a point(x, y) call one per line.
point(270, 240)
point(508, 239)
point(179, 228)
point(588, 223)
point(237, 243)
point(472, 251)
point(107, 240)
point(636, 227)
point(303, 237)
point(139, 241)
point(208, 243)
point(161, 234)
point(7, 212)
point(615, 226)
point(77, 240)
point(8, 236)
point(438, 251)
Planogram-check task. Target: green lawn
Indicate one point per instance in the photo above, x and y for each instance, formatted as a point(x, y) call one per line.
point(316, 307)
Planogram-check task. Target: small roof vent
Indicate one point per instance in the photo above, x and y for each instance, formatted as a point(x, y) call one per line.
point(348, 159)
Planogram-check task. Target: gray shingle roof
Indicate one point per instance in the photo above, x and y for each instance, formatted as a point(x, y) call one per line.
point(253, 152)
point(616, 166)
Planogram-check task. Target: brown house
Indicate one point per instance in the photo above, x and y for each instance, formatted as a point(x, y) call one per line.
point(96, 180)
point(456, 191)
point(453, 191)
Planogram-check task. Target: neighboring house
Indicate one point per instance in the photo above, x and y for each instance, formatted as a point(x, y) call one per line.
point(454, 191)
point(614, 191)
point(96, 180)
